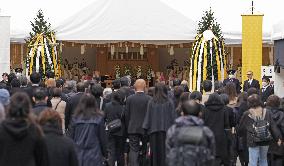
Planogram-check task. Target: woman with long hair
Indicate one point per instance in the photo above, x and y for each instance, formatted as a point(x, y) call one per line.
point(88, 132)
point(116, 139)
point(61, 149)
point(21, 139)
point(230, 90)
point(159, 117)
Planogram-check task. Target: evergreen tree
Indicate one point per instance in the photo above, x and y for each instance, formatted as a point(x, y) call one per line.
point(40, 25)
point(208, 21)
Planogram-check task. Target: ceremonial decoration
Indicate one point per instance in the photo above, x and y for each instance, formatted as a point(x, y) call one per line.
point(138, 72)
point(127, 70)
point(149, 72)
point(43, 53)
point(208, 59)
point(117, 72)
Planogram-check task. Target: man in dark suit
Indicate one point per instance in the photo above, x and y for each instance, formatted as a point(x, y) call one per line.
point(232, 79)
point(40, 99)
point(266, 89)
point(251, 83)
point(35, 79)
point(125, 86)
point(136, 107)
point(72, 103)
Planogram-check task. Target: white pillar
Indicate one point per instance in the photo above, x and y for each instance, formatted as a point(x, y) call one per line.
point(4, 44)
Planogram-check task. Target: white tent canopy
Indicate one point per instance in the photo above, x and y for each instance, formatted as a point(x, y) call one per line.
point(278, 31)
point(127, 20)
point(147, 20)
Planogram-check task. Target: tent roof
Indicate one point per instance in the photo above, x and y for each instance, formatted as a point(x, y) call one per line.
point(127, 20)
point(137, 20)
point(278, 31)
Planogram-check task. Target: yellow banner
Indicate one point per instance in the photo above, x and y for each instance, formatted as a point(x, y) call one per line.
point(252, 45)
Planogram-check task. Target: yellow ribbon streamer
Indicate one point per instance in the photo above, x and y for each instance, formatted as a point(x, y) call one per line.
point(217, 60)
point(42, 55)
point(205, 62)
point(194, 83)
point(33, 53)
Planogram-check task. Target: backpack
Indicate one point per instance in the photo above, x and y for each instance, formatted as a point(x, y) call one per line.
point(191, 147)
point(261, 131)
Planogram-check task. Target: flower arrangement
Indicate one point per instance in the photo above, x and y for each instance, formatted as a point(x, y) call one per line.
point(138, 72)
point(149, 72)
point(127, 70)
point(117, 71)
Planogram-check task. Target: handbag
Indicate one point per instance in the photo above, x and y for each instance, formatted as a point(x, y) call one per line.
point(114, 125)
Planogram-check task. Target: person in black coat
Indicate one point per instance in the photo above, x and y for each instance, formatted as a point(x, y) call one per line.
point(136, 107)
point(35, 79)
point(21, 139)
point(257, 150)
point(97, 92)
point(217, 119)
point(232, 79)
point(125, 85)
point(275, 152)
point(72, 103)
point(160, 116)
point(116, 140)
point(266, 89)
point(61, 149)
point(242, 148)
point(40, 99)
point(15, 86)
point(4, 78)
point(251, 83)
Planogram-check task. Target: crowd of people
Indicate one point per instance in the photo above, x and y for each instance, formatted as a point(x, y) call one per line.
point(57, 122)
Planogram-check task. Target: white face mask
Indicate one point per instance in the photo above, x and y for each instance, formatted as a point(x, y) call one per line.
point(264, 84)
point(231, 76)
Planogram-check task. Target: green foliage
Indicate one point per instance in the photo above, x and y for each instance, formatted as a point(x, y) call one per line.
point(40, 25)
point(208, 21)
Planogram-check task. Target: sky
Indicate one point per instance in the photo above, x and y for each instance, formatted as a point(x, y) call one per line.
point(227, 12)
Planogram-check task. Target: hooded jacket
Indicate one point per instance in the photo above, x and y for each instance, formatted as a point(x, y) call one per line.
point(21, 144)
point(172, 145)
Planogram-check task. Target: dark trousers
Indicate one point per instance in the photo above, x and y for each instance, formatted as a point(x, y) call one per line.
point(275, 160)
point(137, 151)
point(116, 150)
point(158, 148)
point(243, 157)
